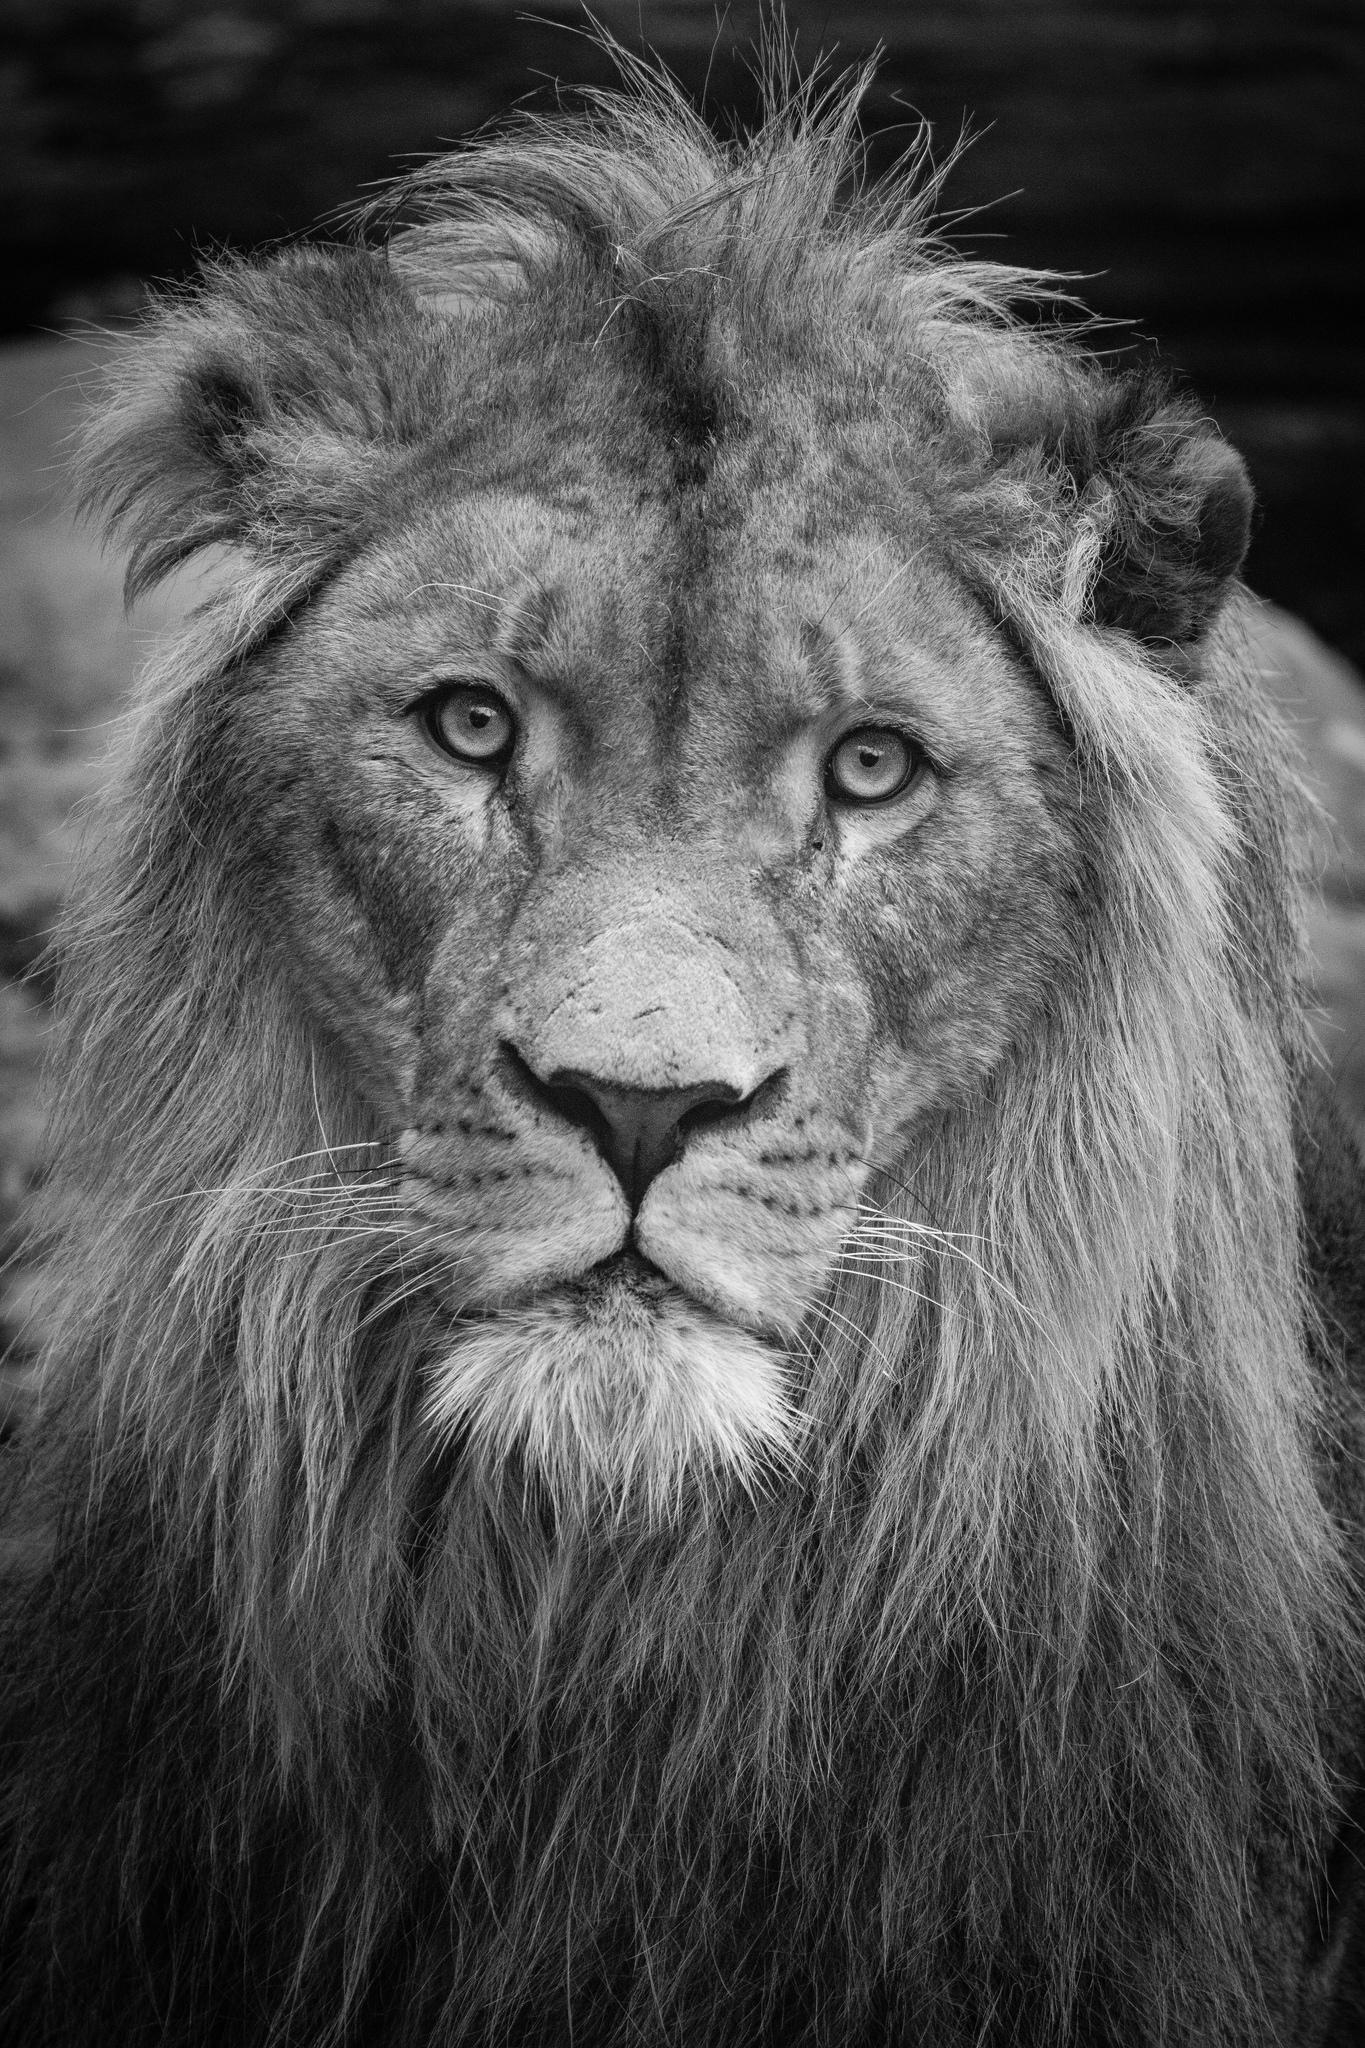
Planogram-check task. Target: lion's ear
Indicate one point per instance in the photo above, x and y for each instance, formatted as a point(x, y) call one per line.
point(1151, 507)
point(262, 411)
point(1173, 506)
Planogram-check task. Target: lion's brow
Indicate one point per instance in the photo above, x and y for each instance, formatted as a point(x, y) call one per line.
point(527, 616)
point(832, 673)
point(519, 622)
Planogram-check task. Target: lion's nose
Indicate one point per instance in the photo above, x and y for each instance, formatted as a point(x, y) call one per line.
point(638, 1131)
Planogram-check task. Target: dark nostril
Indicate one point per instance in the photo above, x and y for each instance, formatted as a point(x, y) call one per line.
point(638, 1131)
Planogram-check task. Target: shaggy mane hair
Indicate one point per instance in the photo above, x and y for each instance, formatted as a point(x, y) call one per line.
point(978, 1725)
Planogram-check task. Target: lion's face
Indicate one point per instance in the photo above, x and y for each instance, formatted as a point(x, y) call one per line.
point(657, 889)
point(637, 793)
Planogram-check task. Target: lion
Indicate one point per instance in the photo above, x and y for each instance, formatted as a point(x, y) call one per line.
point(702, 1360)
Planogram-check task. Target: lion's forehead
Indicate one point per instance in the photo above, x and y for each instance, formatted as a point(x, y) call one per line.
point(611, 594)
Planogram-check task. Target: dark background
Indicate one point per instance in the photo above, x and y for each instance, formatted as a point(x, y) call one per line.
point(1204, 163)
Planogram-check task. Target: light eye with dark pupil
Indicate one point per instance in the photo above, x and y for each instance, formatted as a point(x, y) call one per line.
point(472, 724)
point(871, 765)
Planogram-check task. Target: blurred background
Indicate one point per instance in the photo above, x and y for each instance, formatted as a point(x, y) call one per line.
point(1202, 164)
point(1201, 160)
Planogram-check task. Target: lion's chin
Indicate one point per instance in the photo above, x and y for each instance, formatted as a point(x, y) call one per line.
point(615, 1391)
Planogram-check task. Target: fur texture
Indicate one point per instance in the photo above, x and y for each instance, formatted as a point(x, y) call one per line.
point(918, 1621)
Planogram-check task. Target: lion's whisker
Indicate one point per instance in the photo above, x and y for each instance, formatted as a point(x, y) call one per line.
point(953, 1248)
point(316, 1190)
point(377, 1235)
point(828, 1313)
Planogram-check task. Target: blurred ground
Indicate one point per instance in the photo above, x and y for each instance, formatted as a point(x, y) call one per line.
point(68, 655)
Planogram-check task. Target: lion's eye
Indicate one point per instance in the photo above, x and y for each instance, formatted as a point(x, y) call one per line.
point(870, 765)
point(472, 723)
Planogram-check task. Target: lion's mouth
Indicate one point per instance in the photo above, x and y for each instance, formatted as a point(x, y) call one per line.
point(626, 1271)
point(624, 1283)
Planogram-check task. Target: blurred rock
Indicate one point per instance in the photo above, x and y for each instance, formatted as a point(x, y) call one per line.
point(1323, 698)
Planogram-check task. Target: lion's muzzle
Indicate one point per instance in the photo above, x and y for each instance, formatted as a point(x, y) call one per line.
point(638, 1131)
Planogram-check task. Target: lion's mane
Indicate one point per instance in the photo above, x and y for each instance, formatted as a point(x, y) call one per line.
point(978, 1723)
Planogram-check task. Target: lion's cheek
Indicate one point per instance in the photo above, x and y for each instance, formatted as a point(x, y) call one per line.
point(757, 1251)
point(499, 1231)
point(341, 985)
